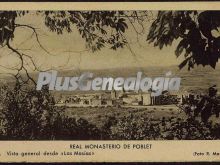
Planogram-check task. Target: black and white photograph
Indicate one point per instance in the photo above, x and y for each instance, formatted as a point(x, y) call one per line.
point(109, 75)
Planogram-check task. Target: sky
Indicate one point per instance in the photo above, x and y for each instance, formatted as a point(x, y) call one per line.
point(67, 51)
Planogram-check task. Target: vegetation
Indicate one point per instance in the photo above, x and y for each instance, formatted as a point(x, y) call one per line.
point(205, 106)
point(25, 113)
point(144, 128)
point(28, 114)
point(195, 31)
point(31, 115)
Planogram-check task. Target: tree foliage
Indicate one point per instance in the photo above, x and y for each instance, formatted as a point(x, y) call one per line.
point(132, 127)
point(194, 32)
point(25, 113)
point(98, 28)
point(32, 115)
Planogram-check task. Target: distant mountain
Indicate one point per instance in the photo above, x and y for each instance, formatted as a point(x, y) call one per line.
point(200, 78)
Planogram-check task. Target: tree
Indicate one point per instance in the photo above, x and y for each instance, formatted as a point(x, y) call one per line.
point(32, 115)
point(98, 28)
point(196, 32)
point(25, 114)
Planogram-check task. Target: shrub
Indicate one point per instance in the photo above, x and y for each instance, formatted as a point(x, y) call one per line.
point(215, 130)
point(185, 129)
point(134, 128)
point(25, 113)
point(66, 128)
point(139, 128)
point(32, 115)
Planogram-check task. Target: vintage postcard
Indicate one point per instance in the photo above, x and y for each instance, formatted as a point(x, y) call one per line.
point(110, 82)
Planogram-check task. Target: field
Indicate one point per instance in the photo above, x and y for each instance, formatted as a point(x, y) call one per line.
point(98, 115)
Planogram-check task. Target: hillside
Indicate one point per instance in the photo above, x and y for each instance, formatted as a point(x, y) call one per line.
point(200, 78)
